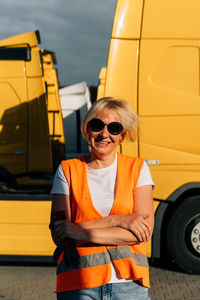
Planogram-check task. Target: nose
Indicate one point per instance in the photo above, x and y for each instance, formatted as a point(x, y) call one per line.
point(104, 132)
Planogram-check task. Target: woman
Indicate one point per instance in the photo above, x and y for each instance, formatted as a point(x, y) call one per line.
point(102, 212)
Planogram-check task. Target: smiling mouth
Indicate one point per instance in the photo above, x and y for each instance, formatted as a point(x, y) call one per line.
point(101, 142)
point(98, 140)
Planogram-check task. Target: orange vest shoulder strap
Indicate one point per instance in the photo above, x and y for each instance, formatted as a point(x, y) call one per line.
point(130, 167)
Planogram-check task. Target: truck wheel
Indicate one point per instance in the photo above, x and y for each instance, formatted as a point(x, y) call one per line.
point(183, 235)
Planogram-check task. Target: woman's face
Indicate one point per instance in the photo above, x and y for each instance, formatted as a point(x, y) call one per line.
point(103, 143)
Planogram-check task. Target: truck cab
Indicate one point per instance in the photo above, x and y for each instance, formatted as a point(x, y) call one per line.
point(153, 63)
point(32, 144)
point(27, 148)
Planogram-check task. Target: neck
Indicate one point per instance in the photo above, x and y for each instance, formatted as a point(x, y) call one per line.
point(99, 162)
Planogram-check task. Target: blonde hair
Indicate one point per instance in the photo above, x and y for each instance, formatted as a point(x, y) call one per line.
point(128, 118)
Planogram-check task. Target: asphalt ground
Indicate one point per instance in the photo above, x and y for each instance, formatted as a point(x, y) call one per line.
point(38, 283)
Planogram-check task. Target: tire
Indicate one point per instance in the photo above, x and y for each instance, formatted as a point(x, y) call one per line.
point(183, 235)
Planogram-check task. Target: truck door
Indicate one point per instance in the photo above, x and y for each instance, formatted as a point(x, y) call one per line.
point(169, 101)
point(13, 110)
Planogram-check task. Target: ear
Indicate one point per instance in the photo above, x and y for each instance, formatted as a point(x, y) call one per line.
point(88, 135)
point(122, 137)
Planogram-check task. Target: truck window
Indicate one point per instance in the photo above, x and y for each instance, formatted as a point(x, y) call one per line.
point(19, 53)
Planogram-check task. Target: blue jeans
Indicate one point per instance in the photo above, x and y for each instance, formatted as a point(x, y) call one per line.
point(114, 291)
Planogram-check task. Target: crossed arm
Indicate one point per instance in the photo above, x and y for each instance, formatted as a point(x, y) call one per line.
point(111, 230)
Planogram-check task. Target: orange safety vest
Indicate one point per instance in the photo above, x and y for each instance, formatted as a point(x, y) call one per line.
point(94, 262)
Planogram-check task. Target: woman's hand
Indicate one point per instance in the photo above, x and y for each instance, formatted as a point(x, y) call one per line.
point(137, 224)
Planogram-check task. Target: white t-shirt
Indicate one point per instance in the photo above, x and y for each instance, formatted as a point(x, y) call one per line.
point(102, 186)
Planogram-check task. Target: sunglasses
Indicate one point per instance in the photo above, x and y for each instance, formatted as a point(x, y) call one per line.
point(97, 125)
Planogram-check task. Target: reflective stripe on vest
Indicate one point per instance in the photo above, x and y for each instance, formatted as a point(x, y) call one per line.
point(93, 266)
point(125, 252)
point(87, 261)
point(103, 258)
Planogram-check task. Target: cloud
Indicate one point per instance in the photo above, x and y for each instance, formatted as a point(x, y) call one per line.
point(77, 31)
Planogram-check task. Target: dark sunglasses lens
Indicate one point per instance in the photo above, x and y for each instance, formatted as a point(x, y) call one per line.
point(96, 125)
point(115, 128)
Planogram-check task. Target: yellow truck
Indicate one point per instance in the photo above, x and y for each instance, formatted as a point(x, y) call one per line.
point(31, 146)
point(153, 63)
